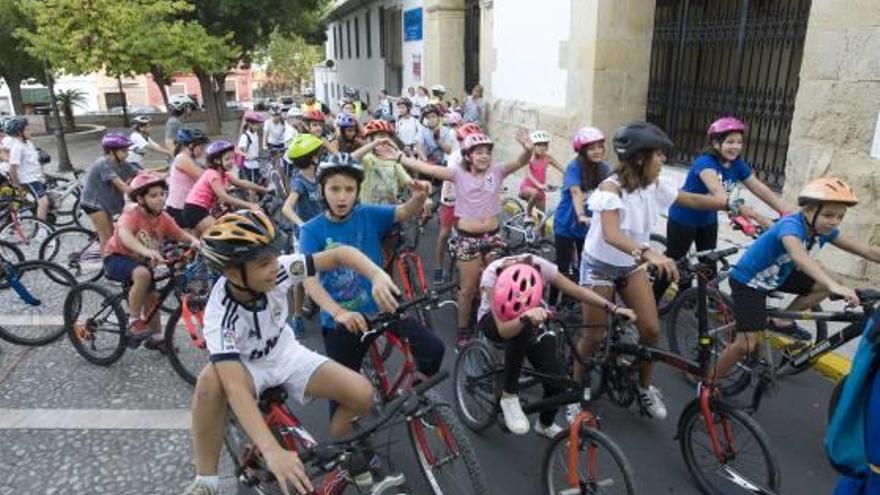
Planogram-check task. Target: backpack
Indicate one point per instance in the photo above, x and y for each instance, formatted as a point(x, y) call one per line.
point(845, 441)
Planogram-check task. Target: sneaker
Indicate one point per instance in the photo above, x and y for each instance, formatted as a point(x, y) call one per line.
point(137, 331)
point(571, 412)
point(298, 324)
point(548, 431)
point(652, 402)
point(154, 344)
point(198, 487)
point(438, 276)
point(514, 417)
point(792, 330)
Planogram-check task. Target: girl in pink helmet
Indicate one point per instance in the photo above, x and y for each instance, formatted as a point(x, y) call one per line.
point(511, 289)
point(533, 188)
point(716, 172)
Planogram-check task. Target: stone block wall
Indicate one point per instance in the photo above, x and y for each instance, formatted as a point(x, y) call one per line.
point(444, 46)
point(836, 111)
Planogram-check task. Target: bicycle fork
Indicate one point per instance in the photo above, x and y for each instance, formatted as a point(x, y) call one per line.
point(722, 453)
point(583, 418)
point(14, 280)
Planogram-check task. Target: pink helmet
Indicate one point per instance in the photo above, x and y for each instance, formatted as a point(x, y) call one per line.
point(518, 289)
point(252, 116)
point(143, 181)
point(471, 141)
point(586, 136)
point(454, 118)
point(725, 125)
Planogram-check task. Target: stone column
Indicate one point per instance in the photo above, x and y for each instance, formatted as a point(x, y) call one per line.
point(444, 45)
point(836, 111)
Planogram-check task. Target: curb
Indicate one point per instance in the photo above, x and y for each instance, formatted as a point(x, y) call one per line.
point(832, 365)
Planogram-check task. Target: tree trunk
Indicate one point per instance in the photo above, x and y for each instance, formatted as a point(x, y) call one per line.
point(161, 80)
point(15, 94)
point(125, 122)
point(209, 101)
point(69, 124)
point(220, 85)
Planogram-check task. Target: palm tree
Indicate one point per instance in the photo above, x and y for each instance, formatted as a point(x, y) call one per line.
point(67, 99)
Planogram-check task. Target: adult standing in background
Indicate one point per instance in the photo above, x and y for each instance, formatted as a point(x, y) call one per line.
point(475, 107)
point(179, 108)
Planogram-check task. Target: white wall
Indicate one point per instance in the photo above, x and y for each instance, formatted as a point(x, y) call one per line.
point(527, 38)
point(86, 84)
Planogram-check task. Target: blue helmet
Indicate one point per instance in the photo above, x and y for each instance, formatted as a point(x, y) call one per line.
point(187, 136)
point(344, 120)
point(15, 126)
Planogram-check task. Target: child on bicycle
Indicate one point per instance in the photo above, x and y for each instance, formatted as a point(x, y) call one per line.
point(249, 147)
point(313, 120)
point(135, 249)
point(511, 290)
point(384, 180)
point(582, 176)
point(302, 204)
point(533, 188)
point(141, 142)
point(213, 186)
point(251, 349)
point(346, 139)
point(478, 185)
point(782, 259)
point(25, 168)
point(103, 194)
point(629, 204)
point(274, 130)
point(362, 226)
point(435, 140)
point(185, 169)
point(407, 125)
point(717, 171)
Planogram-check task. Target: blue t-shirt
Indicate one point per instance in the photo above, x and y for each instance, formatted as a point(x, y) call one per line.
point(738, 171)
point(565, 222)
point(766, 265)
point(363, 229)
point(308, 202)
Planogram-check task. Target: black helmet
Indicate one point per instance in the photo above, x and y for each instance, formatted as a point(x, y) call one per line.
point(640, 136)
point(340, 163)
point(187, 136)
point(15, 126)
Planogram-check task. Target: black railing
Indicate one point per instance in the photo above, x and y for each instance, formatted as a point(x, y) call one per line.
point(711, 58)
point(471, 44)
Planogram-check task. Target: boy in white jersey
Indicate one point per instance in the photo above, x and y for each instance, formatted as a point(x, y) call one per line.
point(251, 348)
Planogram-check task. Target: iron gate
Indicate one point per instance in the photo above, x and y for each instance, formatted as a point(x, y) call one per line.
point(471, 44)
point(728, 57)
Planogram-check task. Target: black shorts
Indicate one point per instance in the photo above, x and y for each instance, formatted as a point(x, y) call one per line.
point(192, 215)
point(176, 214)
point(750, 305)
point(89, 210)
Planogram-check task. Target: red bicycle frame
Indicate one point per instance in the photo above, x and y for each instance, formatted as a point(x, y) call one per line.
point(403, 270)
point(707, 395)
point(583, 417)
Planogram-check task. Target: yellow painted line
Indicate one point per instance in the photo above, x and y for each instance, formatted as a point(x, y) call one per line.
point(830, 365)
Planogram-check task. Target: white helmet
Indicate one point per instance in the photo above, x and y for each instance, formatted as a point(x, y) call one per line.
point(438, 88)
point(538, 137)
point(294, 111)
point(179, 102)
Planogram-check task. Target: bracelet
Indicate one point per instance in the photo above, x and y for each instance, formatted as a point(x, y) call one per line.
point(610, 307)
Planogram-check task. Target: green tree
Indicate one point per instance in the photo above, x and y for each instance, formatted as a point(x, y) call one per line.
point(289, 60)
point(67, 99)
point(16, 66)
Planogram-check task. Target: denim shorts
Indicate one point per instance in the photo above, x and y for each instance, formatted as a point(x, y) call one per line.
point(37, 188)
point(595, 273)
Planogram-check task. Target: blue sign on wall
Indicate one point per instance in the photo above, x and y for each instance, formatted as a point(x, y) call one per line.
point(412, 24)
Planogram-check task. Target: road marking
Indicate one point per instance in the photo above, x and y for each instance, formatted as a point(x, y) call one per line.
point(95, 419)
point(34, 320)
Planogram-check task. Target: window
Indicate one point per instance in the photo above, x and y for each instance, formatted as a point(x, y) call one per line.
point(114, 100)
point(176, 89)
point(335, 41)
point(357, 37)
point(381, 31)
point(230, 87)
point(348, 36)
point(369, 39)
point(337, 30)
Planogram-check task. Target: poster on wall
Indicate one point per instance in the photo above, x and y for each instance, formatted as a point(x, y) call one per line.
point(417, 66)
point(412, 24)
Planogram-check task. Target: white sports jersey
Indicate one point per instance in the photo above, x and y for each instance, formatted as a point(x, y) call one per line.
point(260, 333)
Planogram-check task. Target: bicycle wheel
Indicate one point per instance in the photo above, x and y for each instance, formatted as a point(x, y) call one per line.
point(185, 343)
point(601, 466)
point(95, 322)
point(30, 309)
point(12, 254)
point(76, 249)
point(445, 454)
point(28, 233)
point(746, 456)
point(475, 379)
point(683, 333)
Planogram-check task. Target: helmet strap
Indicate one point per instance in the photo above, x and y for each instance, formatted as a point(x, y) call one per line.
point(246, 287)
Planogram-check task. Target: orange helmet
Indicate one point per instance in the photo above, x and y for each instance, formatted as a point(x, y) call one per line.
point(378, 125)
point(827, 190)
point(313, 114)
point(239, 237)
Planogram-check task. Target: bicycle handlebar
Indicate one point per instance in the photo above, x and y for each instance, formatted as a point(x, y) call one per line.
point(378, 324)
point(867, 297)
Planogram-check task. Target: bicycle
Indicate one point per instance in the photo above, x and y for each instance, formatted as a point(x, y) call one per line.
point(446, 458)
point(95, 317)
point(30, 314)
point(64, 199)
point(710, 429)
point(520, 227)
point(19, 226)
point(77, 249)
point(334, 465)
point(581, 459)
point(409, 267)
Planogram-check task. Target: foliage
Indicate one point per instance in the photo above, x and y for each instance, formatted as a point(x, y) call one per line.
point(15, 65)
point(289, 60)
point(67, 99)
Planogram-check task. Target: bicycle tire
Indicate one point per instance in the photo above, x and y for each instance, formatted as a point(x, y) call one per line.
point(691, 418)
point(177, 339)
point(683, 337)
point(835, 398)
point(81, 333)
point(589, 438)
point(53, 248)
point(36, 267)
point(447, 428)
point(467, 385)
point(34, 230)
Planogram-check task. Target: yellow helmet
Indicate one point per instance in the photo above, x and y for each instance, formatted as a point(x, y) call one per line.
point(239, 237)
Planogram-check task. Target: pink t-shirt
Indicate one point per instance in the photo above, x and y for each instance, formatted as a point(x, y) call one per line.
point(538, 169)
point(202, 194)
point(150, 231)
point(179, 185)
point(478, 196)
point(490, 275)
